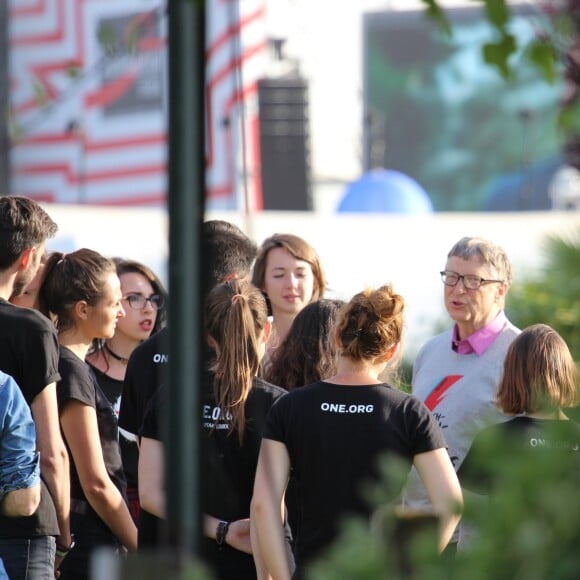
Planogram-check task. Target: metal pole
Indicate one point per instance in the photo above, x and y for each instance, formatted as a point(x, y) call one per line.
point(4, 100)
point(186, 33)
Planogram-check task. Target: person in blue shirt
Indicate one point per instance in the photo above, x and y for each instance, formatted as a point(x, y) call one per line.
point(19, 460)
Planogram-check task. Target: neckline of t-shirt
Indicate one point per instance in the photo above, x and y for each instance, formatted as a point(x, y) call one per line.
point(369, 385)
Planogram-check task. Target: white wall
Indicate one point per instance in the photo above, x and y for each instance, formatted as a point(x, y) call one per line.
point(356, 251)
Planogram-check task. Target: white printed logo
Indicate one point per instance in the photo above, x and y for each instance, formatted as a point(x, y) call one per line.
point(342, 408)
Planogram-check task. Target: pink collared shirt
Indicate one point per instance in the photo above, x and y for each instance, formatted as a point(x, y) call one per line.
point(480, 340)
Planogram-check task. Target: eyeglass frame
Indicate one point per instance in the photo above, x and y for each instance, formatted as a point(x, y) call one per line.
point(462, 277)
point(157, 301)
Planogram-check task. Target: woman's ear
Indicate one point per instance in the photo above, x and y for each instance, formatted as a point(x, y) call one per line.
point(26, 258)
point(391, 352)
point(81, 309)
point(266, 332)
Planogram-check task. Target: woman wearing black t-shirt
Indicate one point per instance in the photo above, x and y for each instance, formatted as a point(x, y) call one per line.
point(234, 407)
point(82, 293)
point(143, 301)
point(538, 385)
point(332, 434)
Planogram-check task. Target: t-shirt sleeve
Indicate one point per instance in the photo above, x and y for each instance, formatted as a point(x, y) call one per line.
point(151, 423)
point(42, 347)
point(275, 427)
point(423, 430)
point(142, 379)
point(76, 384)
point(19, 460)
point(129, 399)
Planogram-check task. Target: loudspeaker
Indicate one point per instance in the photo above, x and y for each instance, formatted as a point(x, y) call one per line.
point(284, 144)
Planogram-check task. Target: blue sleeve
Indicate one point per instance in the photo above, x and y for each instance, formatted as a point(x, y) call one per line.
point(19, 460)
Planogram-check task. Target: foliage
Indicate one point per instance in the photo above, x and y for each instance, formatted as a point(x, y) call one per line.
point(552, 295)
point(526, 529)
point(544, 53)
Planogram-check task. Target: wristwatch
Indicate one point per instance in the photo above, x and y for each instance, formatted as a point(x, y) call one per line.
point(62, 551)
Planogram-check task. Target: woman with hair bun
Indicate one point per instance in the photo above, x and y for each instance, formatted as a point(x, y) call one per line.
point(332, 433)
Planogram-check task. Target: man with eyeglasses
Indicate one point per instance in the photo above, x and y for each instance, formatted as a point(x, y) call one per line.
point(456, 373)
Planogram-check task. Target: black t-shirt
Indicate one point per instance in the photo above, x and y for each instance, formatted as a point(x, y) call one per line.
point(79, 383)
point(29, 353)
point(523, 438)
point(144, 375)
point(28, 348)
point(228, 468)
point(113, 388)
point(151, 528)
point(335, 435)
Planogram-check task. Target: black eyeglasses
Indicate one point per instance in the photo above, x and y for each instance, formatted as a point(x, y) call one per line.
point(138, 301)
point(470, 281)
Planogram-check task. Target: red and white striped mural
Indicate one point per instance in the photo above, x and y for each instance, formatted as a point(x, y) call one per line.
point(89, 96)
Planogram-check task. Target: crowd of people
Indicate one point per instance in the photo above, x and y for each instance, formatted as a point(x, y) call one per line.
point(299, 401)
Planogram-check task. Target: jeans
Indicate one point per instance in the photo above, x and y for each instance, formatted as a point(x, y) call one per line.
point(28, 558)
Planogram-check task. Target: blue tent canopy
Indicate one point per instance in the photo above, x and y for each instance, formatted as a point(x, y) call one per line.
point(385, 191)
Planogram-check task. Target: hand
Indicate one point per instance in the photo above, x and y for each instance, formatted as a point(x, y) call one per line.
point(61, 541)
point(238, 536)
point(57, 562)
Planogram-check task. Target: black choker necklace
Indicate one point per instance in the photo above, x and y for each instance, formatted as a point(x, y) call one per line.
point(123, 360)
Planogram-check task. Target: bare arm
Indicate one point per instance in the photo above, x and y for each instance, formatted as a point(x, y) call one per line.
point(20, 502)
point(152, 496)
point(151, 477)
point(268, 508)
point(440, 481)
point(54, 460)
point(238, 535)
point(79, 424)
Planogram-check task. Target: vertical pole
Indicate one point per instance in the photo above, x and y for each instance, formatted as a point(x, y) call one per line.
point(186, 34)
point(4, 100)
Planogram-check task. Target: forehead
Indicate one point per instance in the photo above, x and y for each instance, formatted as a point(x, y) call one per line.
point(112, 284)
point(462, 266)
point(281, 258)
point(135, 282)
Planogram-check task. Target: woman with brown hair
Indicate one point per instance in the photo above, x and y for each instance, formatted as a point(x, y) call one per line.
point(143, 300)
point(289, 273)
point(539, 382)
point(309, 352)
point(332, 433)
point(82, 293)
point(233, 411)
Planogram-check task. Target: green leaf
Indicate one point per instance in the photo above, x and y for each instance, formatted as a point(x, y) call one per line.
point(543, 55)
point(437, 15)
point(497, 54)
point(498, 13)
point(569, 118)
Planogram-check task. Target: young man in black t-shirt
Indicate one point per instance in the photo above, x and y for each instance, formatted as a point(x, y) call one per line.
point(227, 253)
point(29, 352)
